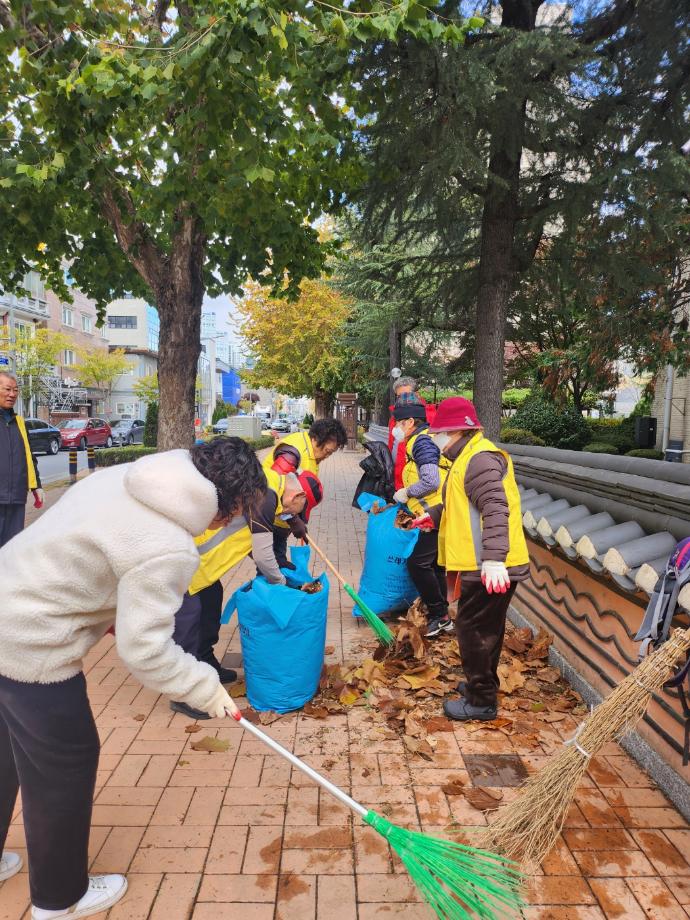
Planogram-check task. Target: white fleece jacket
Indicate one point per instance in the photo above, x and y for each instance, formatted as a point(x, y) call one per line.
point(116, 548)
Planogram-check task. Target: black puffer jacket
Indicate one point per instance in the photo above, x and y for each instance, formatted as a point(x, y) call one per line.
point(14, 479)
point(378, 472)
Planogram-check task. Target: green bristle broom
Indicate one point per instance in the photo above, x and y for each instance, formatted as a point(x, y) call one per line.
point(382, 632)
point(458, 881)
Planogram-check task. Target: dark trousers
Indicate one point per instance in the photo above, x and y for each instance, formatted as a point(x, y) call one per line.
point(187, 624)
point(197, 623)
point(428, 576)
point(480, 626)
point(211, 600)
point(49, 747)
point(11, 522)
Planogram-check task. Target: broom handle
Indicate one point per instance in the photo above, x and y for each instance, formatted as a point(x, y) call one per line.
point(296, 762)
point(327, 561)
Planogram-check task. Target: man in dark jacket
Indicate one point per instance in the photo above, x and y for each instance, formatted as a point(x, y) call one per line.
point(18, 467)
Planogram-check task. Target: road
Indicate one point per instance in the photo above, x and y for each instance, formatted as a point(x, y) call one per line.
point(53, 469)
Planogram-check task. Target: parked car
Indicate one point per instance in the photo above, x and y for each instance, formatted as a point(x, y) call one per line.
point(85, 432)
point(43, 438)
point(221, 426)
point(128, 431)
point(280, 424)
point(266, 424)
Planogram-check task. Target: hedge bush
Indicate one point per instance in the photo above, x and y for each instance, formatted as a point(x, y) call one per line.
point(617, 431)
point(117, 455)
point(649, 453)
point(557, 426)
point(521, 436)
point(600, 447)
point(151, 425)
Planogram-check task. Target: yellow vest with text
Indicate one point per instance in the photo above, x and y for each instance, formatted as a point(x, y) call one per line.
point(410, 475)
point(302, 441)
point(460, 534)
point(30, 469)
point(222, 548)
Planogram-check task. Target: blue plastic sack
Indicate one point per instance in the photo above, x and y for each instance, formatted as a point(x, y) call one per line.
point(283, 636)
point(385, 585)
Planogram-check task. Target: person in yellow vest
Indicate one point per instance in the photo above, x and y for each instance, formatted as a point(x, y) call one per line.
point(18, 467)
point(197, 622)
point(483, 548)
point(300, 452)
point(423, 476)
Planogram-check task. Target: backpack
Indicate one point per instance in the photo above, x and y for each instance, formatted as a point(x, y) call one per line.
point(656, 625)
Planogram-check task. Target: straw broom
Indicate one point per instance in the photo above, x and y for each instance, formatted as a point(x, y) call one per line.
point(459, 882)
point(528, 828)
point(381, 631)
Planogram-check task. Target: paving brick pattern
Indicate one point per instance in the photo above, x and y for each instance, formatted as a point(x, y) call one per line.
point(240, 835)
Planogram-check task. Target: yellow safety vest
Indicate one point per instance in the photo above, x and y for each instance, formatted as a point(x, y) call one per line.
point(410, 475)
point(460, 534)
point(222, 548)
point(302, 441)
point(30, 469)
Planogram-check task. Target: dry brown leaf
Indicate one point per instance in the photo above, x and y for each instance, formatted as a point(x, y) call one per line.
point(438, 724)
point(182, 763)
point(239, 688)
point(550, 675)
point(251, 715)
point(211, 745)
point(412, 635)
point(348, 696)
point(454, 786)
point(269, 717)
point(190, 729)
point(483, 798)
point(315, 712)
point(418, 746)
point(329, 649)
point(540, 646)
point(551, 716)
point(414, 728)
point(515, 644)
point(510, 676)
point(140, 717)
point(419, 677)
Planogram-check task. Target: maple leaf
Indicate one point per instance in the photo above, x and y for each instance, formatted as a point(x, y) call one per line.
point(484, 798)
point(211, 745)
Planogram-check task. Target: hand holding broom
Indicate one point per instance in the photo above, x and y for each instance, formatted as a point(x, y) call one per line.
point(459, 882)
point(382, 632)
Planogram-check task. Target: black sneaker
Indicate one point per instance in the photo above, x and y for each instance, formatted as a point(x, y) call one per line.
point(462, 711)
point(189, 711)
point(226, 675)
point(437, 626)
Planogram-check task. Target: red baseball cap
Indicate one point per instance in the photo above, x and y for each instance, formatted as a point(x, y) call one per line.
point(456, 414)
point(312, 489)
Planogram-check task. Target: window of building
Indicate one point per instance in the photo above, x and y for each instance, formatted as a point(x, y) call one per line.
point(69, 357)
point(35, 286)
point(122, 322)
point(104, 331)
point(67, 316)
point(86, 324)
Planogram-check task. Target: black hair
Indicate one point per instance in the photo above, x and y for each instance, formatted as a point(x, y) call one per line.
point(231, 465)
point(328, 429)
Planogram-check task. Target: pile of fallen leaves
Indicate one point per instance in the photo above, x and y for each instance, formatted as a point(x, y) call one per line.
point(403, 520)
point(312, 587)
point(403, 687)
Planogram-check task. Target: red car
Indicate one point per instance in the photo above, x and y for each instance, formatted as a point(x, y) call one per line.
point(81, 433)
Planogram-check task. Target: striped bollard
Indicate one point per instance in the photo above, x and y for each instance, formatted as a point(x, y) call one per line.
point(91, 458)
point(72, 467)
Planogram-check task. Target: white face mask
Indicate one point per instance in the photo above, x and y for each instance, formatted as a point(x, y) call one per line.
point(441, 440)
point(398, 434)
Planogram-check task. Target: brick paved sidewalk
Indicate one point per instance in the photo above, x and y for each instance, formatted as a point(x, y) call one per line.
point(240, 835)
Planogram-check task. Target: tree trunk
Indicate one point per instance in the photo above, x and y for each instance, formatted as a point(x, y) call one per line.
point(499, 217)
point(179, 302)
point(394, 354)
point(323, 404)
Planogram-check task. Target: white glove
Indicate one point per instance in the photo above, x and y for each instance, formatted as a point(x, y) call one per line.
point(495, 577)
point(222, 705)
point(39, 497)
point(401, 496)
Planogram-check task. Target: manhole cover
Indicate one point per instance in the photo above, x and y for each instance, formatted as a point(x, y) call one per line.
point(495, 769)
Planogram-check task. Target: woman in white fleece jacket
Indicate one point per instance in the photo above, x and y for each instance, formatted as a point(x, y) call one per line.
point(118, 548)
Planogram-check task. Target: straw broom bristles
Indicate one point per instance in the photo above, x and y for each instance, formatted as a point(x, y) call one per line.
point(528, 828)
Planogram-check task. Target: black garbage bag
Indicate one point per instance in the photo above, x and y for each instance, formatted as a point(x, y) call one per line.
point(378, 478)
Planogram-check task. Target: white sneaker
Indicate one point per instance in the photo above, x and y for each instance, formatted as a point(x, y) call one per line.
point(102, 893)
point(10, 864)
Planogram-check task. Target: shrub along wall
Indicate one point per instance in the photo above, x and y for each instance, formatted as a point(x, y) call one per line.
point(117, 455)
